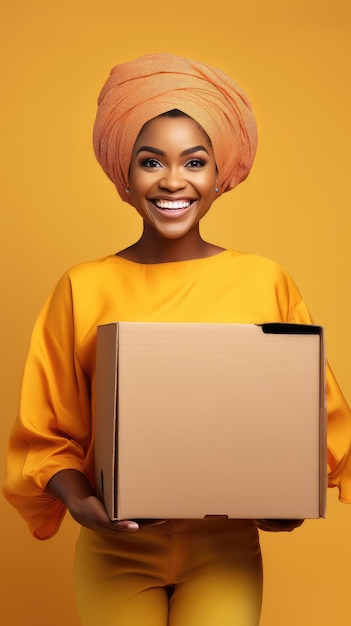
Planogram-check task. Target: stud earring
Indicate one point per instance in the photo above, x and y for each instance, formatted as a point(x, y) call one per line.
point(216, 190)
point(127, 189)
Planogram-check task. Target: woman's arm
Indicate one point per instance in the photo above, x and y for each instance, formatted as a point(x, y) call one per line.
point(73, 489)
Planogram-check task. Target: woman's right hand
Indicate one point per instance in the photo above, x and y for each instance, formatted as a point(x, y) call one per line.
point(90, 512)
point(74, 490)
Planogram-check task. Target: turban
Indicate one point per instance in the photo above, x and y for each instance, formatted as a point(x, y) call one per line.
point(139, 90)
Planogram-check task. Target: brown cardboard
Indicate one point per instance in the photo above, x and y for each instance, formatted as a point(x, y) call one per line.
point(210, 419)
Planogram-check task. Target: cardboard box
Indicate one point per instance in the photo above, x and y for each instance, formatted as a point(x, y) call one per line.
point(210, 419)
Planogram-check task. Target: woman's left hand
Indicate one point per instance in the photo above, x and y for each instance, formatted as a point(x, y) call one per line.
point(278, 525)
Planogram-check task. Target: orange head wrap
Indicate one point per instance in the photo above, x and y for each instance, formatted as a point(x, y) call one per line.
point(139, 90)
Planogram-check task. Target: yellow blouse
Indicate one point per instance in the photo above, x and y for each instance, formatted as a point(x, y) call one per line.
point(54, 428)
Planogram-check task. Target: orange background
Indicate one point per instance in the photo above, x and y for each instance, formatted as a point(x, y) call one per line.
point(293, 59)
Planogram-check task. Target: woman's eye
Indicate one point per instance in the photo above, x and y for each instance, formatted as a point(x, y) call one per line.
point(151, 163)
point(193, 163)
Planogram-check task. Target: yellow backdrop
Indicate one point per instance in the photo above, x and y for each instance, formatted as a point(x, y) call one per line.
point(57, 209)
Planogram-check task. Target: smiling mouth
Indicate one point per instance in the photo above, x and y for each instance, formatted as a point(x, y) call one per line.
point(172, 205)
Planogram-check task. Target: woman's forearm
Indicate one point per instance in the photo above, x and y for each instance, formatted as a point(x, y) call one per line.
point(68, 485)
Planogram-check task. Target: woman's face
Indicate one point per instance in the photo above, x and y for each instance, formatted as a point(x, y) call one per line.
point(172, 178)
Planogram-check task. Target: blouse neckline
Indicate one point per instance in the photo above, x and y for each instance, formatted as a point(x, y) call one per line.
point(199, 260)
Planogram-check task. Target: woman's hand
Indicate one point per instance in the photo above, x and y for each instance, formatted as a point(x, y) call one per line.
point(90, 512)
point(74, 490)
point(278, 525)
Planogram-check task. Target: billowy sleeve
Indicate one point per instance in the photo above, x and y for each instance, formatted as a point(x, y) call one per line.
point(52, 430)
point(339, 425)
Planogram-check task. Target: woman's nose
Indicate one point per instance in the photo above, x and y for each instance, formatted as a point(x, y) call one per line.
point(172, 180)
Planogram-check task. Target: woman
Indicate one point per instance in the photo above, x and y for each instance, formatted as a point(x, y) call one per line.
point(172, 135)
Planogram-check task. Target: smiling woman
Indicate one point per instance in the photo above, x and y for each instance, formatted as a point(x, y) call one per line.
point(173, 191)
point(170, 166)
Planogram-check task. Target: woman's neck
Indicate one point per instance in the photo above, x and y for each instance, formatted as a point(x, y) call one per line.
point(153, 248)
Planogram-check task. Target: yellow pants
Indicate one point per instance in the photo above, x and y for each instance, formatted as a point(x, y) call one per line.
point(180, 573)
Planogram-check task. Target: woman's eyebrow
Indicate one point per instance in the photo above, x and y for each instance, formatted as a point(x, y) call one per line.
point(194, 149)
point(150, 149)
point(161, 153)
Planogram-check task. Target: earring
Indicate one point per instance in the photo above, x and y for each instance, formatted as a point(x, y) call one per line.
point(216, 190)
point(127, 189)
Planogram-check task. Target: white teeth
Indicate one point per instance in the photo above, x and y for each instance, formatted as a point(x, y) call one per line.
point(167, 204)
